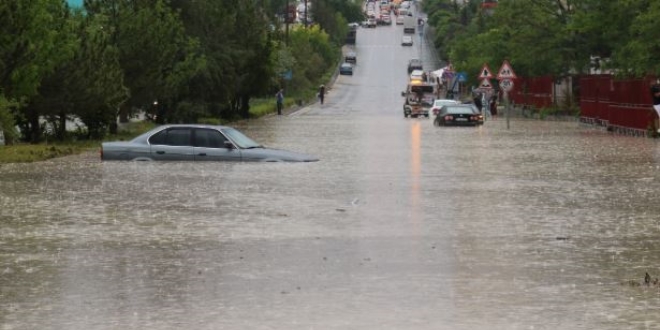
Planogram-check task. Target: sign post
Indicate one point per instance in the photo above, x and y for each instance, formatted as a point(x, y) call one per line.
point(485, 87)
point(2, 137)
point(506, 76)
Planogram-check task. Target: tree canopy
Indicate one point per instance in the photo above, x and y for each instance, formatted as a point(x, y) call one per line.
point(543, 37)
point(178, 60)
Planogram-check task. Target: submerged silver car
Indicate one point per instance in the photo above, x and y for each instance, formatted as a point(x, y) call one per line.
point(197, 143)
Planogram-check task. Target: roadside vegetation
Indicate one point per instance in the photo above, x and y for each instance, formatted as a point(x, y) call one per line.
point(177, 60)
point(556, 38)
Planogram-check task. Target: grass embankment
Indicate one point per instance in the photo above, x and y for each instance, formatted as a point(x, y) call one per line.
point(28, 153)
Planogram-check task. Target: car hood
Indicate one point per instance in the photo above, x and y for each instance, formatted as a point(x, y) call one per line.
point(276, 155)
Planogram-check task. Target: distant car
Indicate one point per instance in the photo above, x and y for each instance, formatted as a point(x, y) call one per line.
point(350, 57)
point(458, 115)
point(414, 64)
point(406, 40)
point(386, 19)
point(437, 104)
point(197, 143)
point(399, 20)
point(346, 69)
point(371, 23)
point(417, 75)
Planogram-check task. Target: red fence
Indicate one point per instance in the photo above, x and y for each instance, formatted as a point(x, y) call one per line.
point(624, 103)
point(536, 91)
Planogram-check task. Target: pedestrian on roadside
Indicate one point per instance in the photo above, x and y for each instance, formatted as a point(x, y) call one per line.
point(493, 105)
point(321, 93)
point(655, 94)
point(280, 101)
point(477, 102)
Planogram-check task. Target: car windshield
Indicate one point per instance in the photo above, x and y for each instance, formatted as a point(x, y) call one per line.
point(240, 139)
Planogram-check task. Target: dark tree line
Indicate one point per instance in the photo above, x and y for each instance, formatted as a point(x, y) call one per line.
point(178, 60)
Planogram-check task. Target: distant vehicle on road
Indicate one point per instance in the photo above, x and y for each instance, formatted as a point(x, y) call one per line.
point(414, 64)
point(197, 143)
point(350, 57)
point(409, 25)
point(346, 69)
point(399, 20)
point(406, 40)
point(458, 115)
point(419, 98)
point(371, 23)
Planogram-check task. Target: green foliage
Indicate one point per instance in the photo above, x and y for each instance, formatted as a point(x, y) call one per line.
point(550, 37)
point(197, 59)
point(7, 124)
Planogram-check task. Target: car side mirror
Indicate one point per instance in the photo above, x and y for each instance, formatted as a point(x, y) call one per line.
point(403, 93)
point(229, 145)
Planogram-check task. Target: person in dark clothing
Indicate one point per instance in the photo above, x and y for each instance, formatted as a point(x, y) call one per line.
point(321, 93)
point(655, 95)
point(477, 102)
point(493, 105)
point(280, 101)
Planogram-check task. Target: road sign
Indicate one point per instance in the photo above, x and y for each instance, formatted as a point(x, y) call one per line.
point(461, 76)
point(485, 84)
point(485, 72)
point(506, 71)
point(287, 75)
point(506, 85)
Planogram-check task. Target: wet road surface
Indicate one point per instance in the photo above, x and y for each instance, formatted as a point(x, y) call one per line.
point(401, 225)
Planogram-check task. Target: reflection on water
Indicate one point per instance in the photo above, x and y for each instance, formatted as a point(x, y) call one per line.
point(401, 225)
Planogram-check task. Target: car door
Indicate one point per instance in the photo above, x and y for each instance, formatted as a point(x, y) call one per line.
point(173, 143)
point(209, 145)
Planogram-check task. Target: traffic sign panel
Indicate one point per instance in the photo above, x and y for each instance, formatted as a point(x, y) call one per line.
point(506, 85)
point(485, 84)
point(485, 72)
point(506, 71)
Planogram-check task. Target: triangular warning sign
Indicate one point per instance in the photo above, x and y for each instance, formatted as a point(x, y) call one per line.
point(485, 84)
point(506, 71)
point(485, 72)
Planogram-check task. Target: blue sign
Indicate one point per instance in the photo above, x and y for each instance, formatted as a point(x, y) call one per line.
point(461, 77)
point(288, 75)
point(75, 3)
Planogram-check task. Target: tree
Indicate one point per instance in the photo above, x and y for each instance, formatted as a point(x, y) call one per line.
point(33, 42)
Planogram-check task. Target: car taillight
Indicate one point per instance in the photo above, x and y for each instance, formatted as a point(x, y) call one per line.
point(449, 118)
point(101, 153)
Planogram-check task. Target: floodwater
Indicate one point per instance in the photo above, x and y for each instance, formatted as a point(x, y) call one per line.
point(400, 225)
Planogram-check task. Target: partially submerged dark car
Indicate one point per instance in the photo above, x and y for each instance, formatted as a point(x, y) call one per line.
point(458, 115)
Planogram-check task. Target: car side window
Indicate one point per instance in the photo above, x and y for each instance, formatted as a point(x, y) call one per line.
point(177, 136)
point(209, 138)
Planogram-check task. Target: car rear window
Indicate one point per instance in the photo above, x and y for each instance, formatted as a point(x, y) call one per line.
point(172, 137)
point(460, 110)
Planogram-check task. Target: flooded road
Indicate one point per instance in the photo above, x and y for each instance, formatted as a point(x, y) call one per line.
point(401, 225)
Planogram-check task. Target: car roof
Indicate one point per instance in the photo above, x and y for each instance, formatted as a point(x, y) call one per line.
point(448, 101)
point(346, 64)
